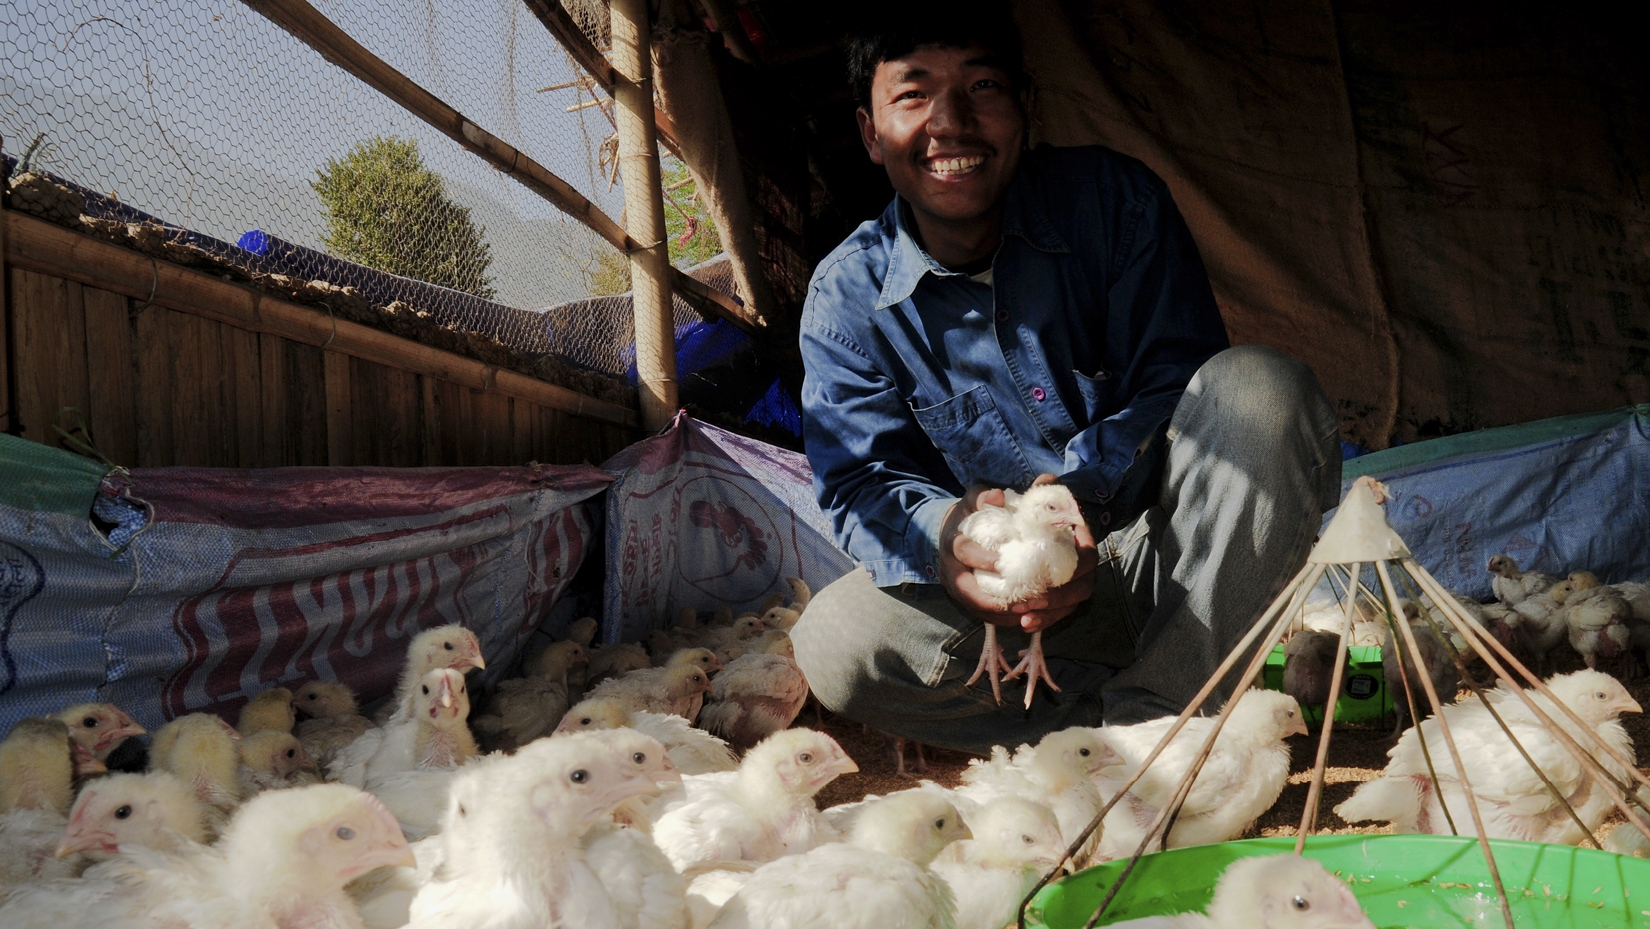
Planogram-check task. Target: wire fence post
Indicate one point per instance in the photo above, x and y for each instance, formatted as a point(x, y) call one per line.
point(644, 213)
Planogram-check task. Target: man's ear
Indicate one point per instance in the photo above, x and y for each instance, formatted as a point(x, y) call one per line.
point(868, 134)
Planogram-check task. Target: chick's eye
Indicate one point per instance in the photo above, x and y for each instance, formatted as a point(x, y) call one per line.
point(309, 696)
point(1299, 902)
point(425, 688)
point(1599, 695)
point(89, 722)
point(639, 758)
point(123, 812)
point(290, 753)
point(344, 832)
point(1027, 839)
point(579, 776)
point(447, 645)
point(939, 823)
point(585, 721)
point(806, 758)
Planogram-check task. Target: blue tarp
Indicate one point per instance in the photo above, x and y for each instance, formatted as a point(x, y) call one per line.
point(1556, 494)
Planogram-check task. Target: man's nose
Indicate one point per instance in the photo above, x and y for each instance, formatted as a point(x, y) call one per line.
point(951, 115)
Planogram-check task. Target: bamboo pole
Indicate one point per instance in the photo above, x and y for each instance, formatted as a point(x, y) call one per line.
point(644, 208)
point(583, 52)
point(336, 46)
point(8, 367)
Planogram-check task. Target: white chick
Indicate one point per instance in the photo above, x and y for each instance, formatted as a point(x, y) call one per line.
point(646, 890)
point(1276, 891)
point(781, 618)
point(754, 697)
point(117, 812)
point(1513, 586)
point(1541, 623)
point(435, 735)
point(758, 813)
point(521, 710)
point(452, 647)
point(270, 710)
point(729, 642)
point(800, 594)
point(1036, 551)
point(512, 855)
point(273, 760)
point(1243, 776)
point(283, 862)
point(36, 788)
point(583, 630)
point(608, 661)
point(680, 690)
point(692, 751)
point(1060, 772)
point(1513, 801)
point(334, 720)
point(1015, 841)
point(702, 658)
point(99, 727)
point(557, 660)
point(1598, 621)
point(877, 879)
point(199, 750)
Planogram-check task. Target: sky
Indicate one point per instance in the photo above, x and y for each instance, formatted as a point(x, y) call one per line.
point(207, 115)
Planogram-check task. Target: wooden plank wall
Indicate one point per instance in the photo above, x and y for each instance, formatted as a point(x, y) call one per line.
point(155, 386)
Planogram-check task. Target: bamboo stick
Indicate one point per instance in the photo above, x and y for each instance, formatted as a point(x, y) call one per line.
point(644, 213)
point(8, 372)
point(319, 33)
point(1309, 815)
point(1449, 743)
point(585, 54)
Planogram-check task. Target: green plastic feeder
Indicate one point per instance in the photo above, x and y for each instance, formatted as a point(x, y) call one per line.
point(1401, 880)
point(1363, 691)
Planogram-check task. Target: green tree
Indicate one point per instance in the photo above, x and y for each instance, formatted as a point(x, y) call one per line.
point(388, 211)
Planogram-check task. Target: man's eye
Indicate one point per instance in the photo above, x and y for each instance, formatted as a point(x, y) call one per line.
point(910, 95)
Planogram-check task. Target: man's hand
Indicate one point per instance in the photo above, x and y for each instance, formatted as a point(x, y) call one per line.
point(961, 556)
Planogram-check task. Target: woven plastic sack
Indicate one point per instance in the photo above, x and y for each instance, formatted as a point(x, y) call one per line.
point(177, 590)
point(700, 517)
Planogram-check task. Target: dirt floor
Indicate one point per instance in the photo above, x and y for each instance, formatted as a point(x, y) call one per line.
point(1357, 753)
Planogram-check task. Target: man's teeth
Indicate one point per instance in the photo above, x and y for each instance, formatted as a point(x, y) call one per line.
point(955, 165)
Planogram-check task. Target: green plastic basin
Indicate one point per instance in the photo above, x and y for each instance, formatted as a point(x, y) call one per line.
point(1401, 880)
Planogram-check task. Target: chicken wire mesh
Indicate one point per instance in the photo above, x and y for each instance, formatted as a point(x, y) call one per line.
point(206, 116)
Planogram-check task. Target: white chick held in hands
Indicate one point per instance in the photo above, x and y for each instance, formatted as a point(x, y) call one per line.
point(1032, 536)
point(878, 879)
point(1275, 891)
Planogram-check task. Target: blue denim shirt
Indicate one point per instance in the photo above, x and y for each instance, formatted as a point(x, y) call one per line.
point(922, 381)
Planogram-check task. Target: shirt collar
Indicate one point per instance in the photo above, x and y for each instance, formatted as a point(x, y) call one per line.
point(1023, 216)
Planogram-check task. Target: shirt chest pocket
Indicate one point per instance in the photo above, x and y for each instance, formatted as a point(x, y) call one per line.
point(1098, 396)
point(970, 432)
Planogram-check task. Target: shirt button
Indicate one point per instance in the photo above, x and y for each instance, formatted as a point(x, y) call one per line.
point(1105, 519)
point(1102, 496)
point(929, 570)
point(1002, 316)
point(1038, 394)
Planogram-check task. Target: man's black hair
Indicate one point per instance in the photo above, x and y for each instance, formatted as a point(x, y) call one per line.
point(905, 26)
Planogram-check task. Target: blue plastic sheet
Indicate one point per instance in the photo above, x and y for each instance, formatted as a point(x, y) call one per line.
point(1557, 495)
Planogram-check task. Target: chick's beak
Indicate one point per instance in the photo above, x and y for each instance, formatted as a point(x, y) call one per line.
point(389, 849)
point(78, 840)
point(630, 785)
point(1628, 705)
point(668, 774)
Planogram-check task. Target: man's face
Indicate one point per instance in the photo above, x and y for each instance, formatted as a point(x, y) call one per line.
point(948, 126)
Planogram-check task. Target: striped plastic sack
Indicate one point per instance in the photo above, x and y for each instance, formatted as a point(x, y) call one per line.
point(700, 517)
point(177, 590)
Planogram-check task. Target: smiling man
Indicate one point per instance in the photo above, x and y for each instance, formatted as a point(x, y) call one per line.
point(1027, 315)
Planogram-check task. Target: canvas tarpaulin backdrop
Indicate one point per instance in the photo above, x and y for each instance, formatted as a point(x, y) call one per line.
point(1440, 207)
point(700, 517)
point(242, 580)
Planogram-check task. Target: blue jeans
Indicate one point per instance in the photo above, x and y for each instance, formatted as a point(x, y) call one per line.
point(1253, 461)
